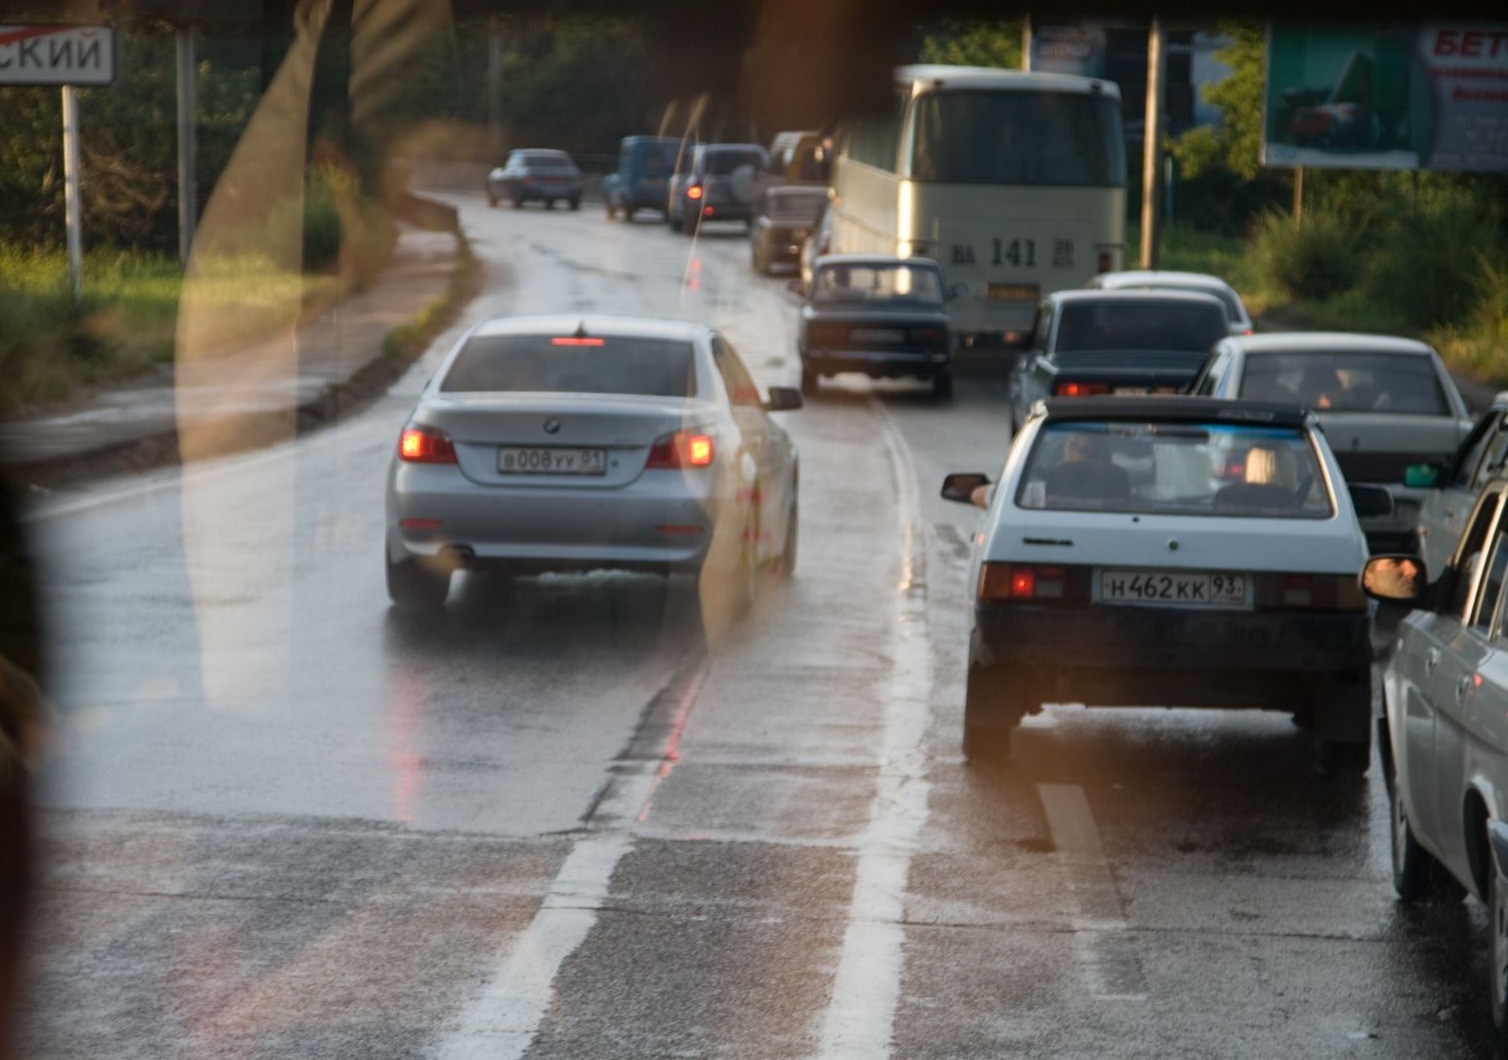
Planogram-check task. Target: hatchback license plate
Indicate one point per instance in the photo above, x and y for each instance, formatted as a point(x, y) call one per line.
point(1175, 588)
point(540, 460)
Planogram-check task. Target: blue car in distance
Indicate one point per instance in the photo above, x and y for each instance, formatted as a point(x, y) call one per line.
point(644, 165)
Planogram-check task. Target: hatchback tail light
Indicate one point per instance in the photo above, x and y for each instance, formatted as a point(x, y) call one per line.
point(683, 449)
point(1070, 388)
point(694, 192)
point(1309, 592)
point(425, 445)
point(1031, 581)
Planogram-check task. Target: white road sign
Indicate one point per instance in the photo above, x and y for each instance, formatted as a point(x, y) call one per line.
point(57, 55)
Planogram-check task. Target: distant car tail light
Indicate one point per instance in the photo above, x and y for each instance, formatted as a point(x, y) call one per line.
point(1070, 388)
point(425, 445)
point(683, 449)
point(1029, 581)
point(694, 192)
point(1309, 592)
point(932, 335)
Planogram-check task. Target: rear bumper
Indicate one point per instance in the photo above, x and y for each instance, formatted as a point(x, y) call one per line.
point(1167, 657)
point(433, 511)
point(878, 363)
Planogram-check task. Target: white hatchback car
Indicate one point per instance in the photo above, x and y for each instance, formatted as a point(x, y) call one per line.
point(1170, 551)
point(581, 443)
point(1443, 737)
point(1172, 280)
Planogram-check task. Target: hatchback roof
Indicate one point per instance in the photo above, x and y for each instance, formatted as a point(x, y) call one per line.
point(1165, 295)
point(1176, 408)
point(591, 324)
point(1133, 277)
point(1313, 341)
point(873, 259)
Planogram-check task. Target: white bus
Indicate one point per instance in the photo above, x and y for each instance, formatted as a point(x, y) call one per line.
point(1014, 182)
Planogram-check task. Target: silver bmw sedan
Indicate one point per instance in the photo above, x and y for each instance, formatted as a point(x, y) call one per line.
point(582, 443)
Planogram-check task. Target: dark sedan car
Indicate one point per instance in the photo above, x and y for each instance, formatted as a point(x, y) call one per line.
point(786, 217)
point(535, 176)
point(880, 315)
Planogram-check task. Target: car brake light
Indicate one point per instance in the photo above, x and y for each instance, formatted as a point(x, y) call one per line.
point(1069, 388)
point(681, 450)
point(1024, 581)
point(426, 445)
point(576, 340)
point(694, 192)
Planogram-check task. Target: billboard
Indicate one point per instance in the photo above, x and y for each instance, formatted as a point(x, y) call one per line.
point(1396, 96)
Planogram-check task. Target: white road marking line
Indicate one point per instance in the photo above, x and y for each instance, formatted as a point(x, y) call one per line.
point(861, 1013)
point(503, 1021)
point(1105, 948)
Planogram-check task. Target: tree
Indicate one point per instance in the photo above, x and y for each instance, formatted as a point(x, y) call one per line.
point(1236, 144)
point(958, 43)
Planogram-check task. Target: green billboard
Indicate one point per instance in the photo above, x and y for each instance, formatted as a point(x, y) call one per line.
point(1394, 96)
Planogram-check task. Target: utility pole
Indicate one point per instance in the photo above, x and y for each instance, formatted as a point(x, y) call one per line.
point(1151, 166)
point(188, 110)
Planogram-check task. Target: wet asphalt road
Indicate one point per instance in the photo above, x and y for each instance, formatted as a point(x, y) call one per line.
point(282, 821)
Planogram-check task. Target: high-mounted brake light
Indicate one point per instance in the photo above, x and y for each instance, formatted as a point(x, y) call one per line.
point(576, 340)
point(425, 445)
point(1069, 388)
point(682, 449)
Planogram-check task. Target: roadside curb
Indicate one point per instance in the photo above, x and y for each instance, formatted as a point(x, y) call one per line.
point(248, 431)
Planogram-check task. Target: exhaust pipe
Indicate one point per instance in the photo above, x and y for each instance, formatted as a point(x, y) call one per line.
point(458, 557)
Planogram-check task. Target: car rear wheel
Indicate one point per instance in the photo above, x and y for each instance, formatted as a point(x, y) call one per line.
point(549, 204)
point(412, 586)
point(1497, 893)
point(942, 386)
point(993, 707)
point(575, 204)
point(518, 202)
point(612, 211)
point(674, 220)
point(1343, 722)
point(785, 563)
point(1413, 866)
point(809, 384)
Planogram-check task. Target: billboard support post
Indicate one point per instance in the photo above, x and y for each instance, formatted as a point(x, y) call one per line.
point(1298, 196)
point(188, 207)
point(71, 209)
point(1151, 169)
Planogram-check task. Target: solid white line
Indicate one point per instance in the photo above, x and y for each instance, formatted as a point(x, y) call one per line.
point(502, 1023)
point(861, 1013)
point(1105, 949)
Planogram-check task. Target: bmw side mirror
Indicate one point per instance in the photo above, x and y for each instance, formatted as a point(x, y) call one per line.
point(1371, 502)
point(1422, 476)
point(783, 399)
point(962, 487)
point(1394, 579)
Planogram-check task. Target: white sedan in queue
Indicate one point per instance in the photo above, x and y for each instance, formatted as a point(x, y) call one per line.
point(581, 443)
point(1169, 551)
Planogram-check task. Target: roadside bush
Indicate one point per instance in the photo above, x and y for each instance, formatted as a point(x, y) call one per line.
point(1430, 261)
point(1315, 260)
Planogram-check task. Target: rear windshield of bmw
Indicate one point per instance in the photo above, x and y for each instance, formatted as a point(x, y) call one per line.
point(574, 364)
point(1183, 468)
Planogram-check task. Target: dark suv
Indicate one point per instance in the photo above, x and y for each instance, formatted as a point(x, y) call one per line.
point(717, 182)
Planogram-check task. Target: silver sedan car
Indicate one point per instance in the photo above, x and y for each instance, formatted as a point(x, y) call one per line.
point(578, 443)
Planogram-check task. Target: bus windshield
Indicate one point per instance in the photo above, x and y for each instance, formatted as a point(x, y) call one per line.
point(980, 136)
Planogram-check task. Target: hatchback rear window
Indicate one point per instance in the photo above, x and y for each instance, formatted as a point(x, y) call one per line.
point(1180, 468)
point(572, 365)
point(722, 163)
point(1341, 381)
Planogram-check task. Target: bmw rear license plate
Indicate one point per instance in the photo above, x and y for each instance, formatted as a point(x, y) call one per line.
point(543, 460)
point(1175, 588)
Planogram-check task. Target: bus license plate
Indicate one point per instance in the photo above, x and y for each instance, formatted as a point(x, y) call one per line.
point(1013, 292)
point(1175, 588)
point(540, 460)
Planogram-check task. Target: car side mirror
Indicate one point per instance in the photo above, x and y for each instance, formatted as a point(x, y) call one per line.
point(961, 487)
point(783, 399)
point(1422, 476)
point(1371, 502)
point(1394, 579)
